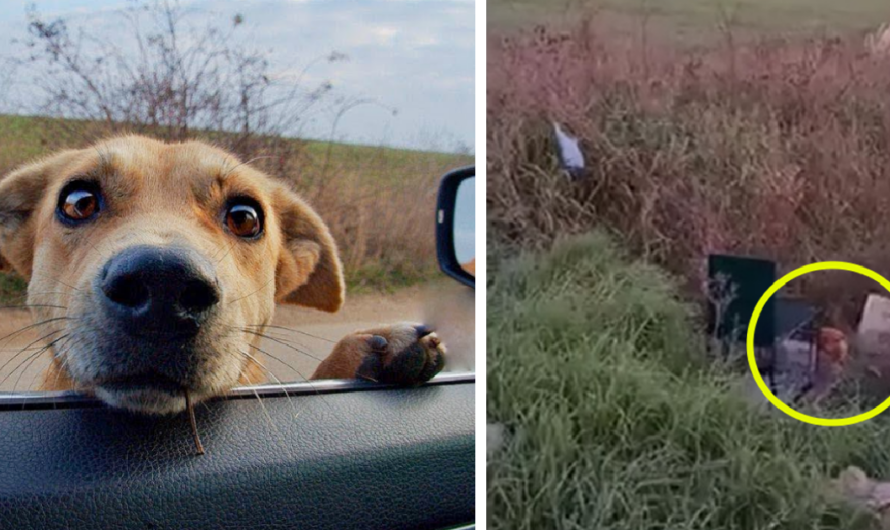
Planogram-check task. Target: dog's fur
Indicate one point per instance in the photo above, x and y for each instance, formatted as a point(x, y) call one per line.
point(832, 354)
point(173, 196)
point(831, 343)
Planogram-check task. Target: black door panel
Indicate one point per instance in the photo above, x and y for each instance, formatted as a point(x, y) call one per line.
point(354, 457)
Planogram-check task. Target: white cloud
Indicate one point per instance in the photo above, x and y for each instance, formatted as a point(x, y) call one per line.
point(416, 56)
point(384, 34)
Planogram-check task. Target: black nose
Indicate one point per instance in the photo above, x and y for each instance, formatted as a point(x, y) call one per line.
point(163, 290)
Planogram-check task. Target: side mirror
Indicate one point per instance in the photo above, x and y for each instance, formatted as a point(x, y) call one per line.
point(456, 225)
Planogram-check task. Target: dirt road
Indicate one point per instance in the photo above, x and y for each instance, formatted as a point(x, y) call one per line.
point(448, 308)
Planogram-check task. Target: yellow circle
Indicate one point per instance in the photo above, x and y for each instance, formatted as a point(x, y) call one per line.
point(820, 266)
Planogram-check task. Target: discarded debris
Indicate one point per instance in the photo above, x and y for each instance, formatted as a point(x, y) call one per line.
point(878, 42)
point(569, 150)
point(873, 333)
point(853, 486)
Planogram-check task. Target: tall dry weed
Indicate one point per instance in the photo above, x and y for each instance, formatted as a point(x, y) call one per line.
point(776, 148)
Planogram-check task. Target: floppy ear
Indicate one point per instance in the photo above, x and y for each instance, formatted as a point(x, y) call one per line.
point(309, 271)
point(20, 195)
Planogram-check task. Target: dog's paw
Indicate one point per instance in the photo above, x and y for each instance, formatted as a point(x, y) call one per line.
point(402, 354)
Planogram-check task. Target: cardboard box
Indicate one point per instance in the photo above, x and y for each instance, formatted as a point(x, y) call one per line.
point(873, 334)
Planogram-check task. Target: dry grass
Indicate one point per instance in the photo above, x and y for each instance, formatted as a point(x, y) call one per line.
point(379, 202)
point(778, 149)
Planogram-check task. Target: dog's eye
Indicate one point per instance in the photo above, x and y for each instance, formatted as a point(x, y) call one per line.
point(78, 202)
point(244, 220)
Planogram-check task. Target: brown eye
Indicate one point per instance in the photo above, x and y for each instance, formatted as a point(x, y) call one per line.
point(244, 220)
point(78, 201)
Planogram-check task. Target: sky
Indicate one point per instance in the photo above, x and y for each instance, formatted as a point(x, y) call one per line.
point(465, 221)
point(414, 57)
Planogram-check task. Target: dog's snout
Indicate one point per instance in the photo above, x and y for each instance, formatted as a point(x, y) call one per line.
point(161, 290)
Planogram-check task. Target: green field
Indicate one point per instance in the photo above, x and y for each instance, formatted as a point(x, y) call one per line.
point(23, 138)
point(617, 421)
point(688, 18)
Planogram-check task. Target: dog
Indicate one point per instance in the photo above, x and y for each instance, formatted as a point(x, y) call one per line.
point(158, 266)
point(832, 355)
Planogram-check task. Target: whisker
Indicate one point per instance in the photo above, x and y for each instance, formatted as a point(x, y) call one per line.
point(63, 355)
point(33, 360)
point(226, 254)
point(42, 323)
point(253, 293)
point(28, 306)
point(90, 243)
point(285, 344)
point(216, 252)
point(288, 365)
point(285, 363)
point(51, 360)
point(64, 367)
point(32, 356)
point(254, 159)
point(261, 365)
point(263, 406)
point(294, 331)
point(23, 297)
point(38, 374)
point(83, 335)
point(4, 365)
point(281, 335)
point(234, 243)
point(59, 281)
point(270, 280)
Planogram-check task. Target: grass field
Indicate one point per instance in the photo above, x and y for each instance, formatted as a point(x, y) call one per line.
point(597, 370)
point(379, 202)
point(777, 149)
point(698, 140)
point(697, 21)
point(26, 137)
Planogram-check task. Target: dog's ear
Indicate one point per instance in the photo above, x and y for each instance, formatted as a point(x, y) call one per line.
point(21, 192)
point(309, 272)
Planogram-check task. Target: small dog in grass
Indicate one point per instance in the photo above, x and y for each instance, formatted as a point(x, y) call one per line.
point(832, 354)
point(153, 270)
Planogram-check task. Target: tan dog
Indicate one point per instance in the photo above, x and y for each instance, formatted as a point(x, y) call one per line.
point(156, 267)
point(832, 354)
point(831, 343)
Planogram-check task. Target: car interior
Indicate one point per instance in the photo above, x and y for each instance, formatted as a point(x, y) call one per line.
point(320, 454)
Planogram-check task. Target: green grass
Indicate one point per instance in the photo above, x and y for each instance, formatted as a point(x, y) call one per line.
point(387, 278)
point(23, 138)
point(687, 18)
point(597, 370)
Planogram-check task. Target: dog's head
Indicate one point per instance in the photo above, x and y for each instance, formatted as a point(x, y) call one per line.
point(158, 263)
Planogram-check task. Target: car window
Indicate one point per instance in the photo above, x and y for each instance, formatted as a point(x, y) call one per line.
point(324, 131)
